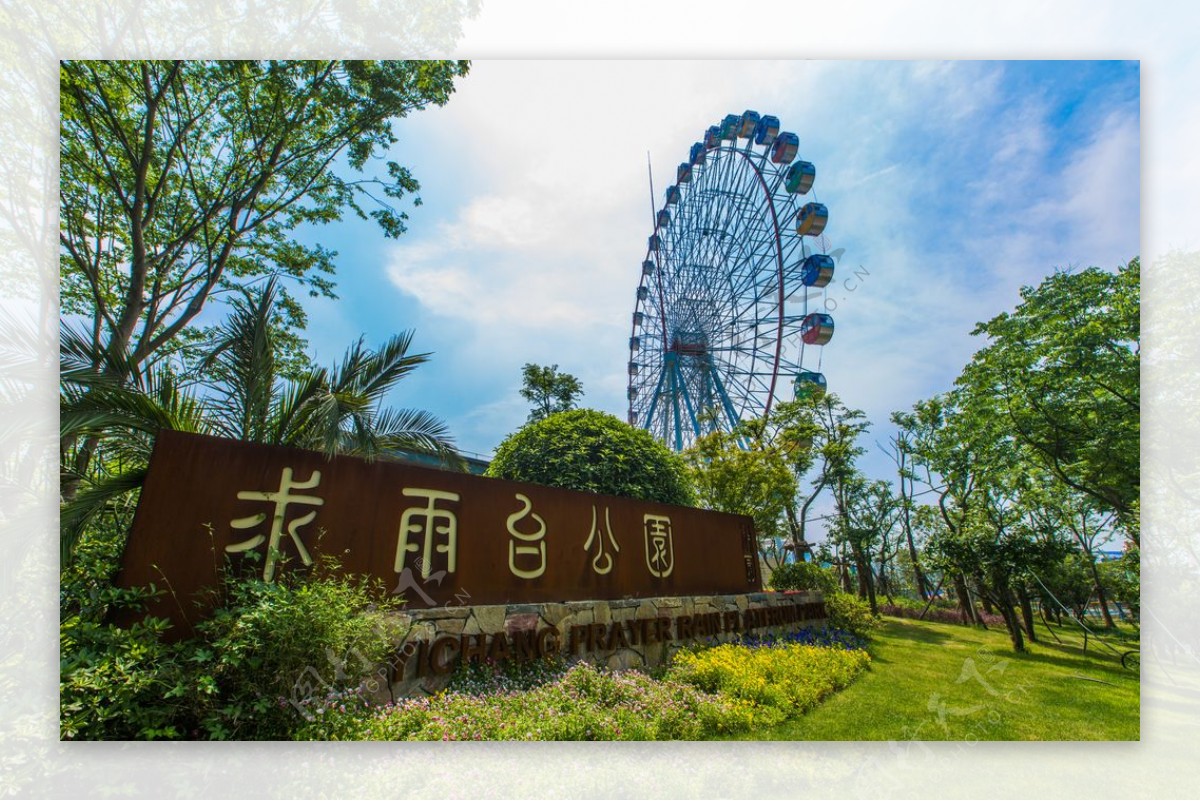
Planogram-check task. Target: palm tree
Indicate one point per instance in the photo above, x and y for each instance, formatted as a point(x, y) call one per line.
point(241, 395)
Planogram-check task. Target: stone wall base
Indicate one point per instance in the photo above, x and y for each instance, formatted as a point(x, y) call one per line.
point(633, 633)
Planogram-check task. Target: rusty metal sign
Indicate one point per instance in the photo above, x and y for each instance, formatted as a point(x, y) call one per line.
point(433, 536)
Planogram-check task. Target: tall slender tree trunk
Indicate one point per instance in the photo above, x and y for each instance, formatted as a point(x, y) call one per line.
point(1100, 594)
point(1027, 612)
point(964, 602)
point(866, 583)
point(1007, 611)
point(983, 598)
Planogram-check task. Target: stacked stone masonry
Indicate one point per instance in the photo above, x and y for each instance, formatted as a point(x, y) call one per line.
point(641, 632)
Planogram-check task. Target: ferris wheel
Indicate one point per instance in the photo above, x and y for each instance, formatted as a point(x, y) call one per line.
point(729, 317)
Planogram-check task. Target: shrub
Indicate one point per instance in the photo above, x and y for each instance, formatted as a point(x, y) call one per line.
point(587, 450)
point(585, 703)
point(118, 683)
point(846, 611)
point(275, 651)
point(268, 655)
point(788, 679)
point(807, 576)
point(115, 683)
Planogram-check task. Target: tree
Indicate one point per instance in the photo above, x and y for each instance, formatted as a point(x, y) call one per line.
point(183, 180)
point(583, 449)
point(1062, 371)
point(337, 410)
point(866, 515)
point(548, 390)
point(737, 472)
point(814, 430)
point(901, 451)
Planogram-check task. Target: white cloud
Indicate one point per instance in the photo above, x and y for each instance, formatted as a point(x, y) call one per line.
point(937, 189)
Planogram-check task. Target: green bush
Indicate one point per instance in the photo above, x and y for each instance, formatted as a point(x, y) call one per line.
point(587, 450)
point(118, 683)
point(274, 651)
point(806, 576)
point(268, 654)
point(786, 680)
point(115, 682)
point(848, 612)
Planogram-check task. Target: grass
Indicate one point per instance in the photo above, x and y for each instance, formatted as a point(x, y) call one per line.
point(938, 681)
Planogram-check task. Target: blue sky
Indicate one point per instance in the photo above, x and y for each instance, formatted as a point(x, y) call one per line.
point(949, 184)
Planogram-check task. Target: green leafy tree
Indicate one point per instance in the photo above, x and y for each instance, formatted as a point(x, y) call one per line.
point(816, 436)
point(901, 447)
point(870, 509)
point(1062, 373)
point(183, 180)
point(548, 390)
point(737, 472)
point(583, 449)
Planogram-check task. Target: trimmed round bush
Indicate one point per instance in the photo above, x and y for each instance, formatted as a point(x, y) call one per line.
point(583, 449)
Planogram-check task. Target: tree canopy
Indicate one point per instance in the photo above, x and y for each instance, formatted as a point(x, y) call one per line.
point(184, 179)
point(583, 449)
point(548, 390)
point(1062, 373)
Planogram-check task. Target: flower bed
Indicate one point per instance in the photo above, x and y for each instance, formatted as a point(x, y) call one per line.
point(705, 692)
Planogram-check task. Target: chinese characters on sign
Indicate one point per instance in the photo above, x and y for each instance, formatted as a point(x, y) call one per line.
point(538, 551)
point(431, 535)
point(660, 552)
point(602, 562)
point(282, 498)
point(426, 520)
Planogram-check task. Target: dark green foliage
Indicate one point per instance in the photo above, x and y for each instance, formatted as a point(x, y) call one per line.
point(849, 613)
point(275, 649)
point(1062, 373)
point(268, 655)
point(592, 451)
point(806, 576)
point(1122, 577)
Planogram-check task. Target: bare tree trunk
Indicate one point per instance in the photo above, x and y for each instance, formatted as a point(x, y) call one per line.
point(964, 602)
point(866, 583)
point(1101, 596)
point(1004, 601)
point(983, 598)
point(1027, 612)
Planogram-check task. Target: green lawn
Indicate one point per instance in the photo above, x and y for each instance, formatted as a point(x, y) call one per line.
point(935, 681)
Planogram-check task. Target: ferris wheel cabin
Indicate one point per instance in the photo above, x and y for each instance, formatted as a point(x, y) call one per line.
point(766, 130)
point(730, 126)
point(750, 120)
point(811, 219)
point(784, 148)
point(809, 383)
point(816, 270)
point(816, 329)
point(800, 177)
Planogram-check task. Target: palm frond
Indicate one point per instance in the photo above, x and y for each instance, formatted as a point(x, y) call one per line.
point(90, 502)
point(415, 430)
point(387, 366)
